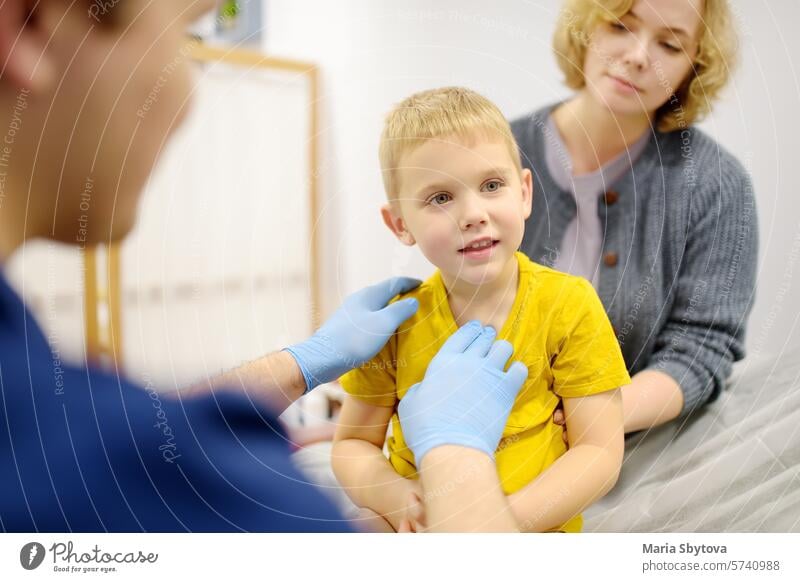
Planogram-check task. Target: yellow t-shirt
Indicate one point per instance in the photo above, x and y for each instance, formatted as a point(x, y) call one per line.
point(559, 330)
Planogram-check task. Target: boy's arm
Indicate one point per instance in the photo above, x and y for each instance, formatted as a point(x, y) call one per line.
point(360, 465)
point(586, 472)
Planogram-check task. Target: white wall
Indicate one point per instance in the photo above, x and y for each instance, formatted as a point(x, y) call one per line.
point(375, 52)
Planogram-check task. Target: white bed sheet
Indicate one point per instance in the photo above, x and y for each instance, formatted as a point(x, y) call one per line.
point(734, 467)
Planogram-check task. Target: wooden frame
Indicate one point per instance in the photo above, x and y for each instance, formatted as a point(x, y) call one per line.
point(103, 285)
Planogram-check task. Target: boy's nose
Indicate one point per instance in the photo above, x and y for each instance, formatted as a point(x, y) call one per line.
point(474, 215)
point(472, 223)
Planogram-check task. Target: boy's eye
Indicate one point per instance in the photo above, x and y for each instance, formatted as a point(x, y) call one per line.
point(493, 185)
point(440, 198)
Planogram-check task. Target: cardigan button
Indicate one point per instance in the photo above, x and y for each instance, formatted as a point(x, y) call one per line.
point(611, 197)
point(611, 259)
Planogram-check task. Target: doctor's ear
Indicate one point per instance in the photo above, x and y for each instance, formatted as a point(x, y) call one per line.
point(23, 43)
point(394, 222)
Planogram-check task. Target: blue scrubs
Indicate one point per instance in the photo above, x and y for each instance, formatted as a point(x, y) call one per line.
point(85, 451)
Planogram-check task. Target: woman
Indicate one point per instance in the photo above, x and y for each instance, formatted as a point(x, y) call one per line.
point(633, 197)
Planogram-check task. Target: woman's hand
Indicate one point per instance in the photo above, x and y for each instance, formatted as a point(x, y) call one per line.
point(561, 420)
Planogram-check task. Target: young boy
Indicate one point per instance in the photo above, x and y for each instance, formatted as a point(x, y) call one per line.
point(456, 188)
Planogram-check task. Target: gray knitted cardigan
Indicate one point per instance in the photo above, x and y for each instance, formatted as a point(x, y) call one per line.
point(678, 263)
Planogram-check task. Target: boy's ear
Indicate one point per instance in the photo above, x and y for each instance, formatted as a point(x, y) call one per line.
point(527, 191)
point(394, 221)
point(23, 44)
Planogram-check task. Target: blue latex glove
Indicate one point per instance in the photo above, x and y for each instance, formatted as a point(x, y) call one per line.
point(356, 332)
point(465, 397)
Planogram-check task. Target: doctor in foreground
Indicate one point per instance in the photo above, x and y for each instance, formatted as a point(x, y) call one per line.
point(82, 450)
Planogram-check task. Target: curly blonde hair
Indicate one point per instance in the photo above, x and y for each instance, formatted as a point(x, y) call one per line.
point(439, 114)
point(717, 54)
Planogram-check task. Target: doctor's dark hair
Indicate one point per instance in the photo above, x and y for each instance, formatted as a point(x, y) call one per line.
point(717, 53)
point(442, 114)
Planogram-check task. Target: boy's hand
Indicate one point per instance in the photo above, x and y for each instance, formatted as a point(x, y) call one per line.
point(465, 397)
point(414, 520)
point(355, 332)
point(369, 521)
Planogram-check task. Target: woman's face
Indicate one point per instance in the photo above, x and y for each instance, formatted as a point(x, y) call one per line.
point(635, 64)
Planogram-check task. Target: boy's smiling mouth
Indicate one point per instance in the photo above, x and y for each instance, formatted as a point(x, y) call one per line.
point(479, 248)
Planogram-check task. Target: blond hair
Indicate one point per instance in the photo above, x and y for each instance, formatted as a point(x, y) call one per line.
point(438, 114)
point(716, 55)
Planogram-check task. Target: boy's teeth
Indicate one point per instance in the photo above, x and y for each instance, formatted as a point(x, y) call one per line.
point(480, 245)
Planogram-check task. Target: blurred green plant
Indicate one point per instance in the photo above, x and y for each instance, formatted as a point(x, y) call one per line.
point(229, 11)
